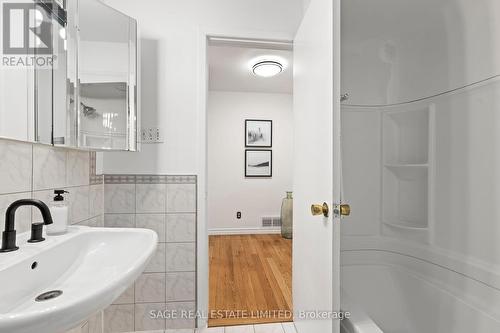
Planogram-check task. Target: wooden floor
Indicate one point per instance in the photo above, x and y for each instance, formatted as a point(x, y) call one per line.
point(250, 280)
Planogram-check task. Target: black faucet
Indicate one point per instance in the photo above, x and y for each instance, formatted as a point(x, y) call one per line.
point(9, 235)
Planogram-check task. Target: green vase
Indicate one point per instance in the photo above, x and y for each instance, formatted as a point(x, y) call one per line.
point(287, 216)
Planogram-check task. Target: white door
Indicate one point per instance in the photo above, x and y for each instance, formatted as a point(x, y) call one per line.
point(316, 248)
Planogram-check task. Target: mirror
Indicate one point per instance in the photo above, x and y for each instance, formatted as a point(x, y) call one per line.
point(80, 88)
point(16, 103)
point(33, 63)
point(50, 80)
point(107, 78)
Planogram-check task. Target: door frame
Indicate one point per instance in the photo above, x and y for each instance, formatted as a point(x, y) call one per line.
point(202, 249)
point(337, 152)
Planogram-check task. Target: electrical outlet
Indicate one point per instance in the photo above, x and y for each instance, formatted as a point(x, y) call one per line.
point(152, 135)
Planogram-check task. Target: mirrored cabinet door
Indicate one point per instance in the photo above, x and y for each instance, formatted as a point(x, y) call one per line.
point(50, 76)
point(107, 70)
point(17, 118)
point(33, 74)
point(72, 76)
point(64, 118)
point(23, 30)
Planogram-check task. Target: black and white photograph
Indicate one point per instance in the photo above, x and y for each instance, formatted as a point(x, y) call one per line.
point(258, 163)
point(258, 133)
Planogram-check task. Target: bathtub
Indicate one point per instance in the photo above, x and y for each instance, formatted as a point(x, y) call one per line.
point(394, 293)
point(358, 320)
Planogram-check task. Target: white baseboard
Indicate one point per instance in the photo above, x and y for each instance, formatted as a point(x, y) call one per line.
point(243, 231)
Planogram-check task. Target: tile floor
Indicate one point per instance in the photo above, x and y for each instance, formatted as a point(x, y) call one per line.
point(264, 328)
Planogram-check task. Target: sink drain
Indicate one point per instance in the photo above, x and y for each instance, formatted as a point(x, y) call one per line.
point(48, 295)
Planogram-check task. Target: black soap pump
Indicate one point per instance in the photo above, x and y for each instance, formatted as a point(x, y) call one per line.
point(59, 212)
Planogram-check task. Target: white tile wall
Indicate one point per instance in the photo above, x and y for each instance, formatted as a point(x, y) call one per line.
point(144, 320)
point(181, 198)
point(157, 263)
point(128, 297)
point(79, 207)
point(34, 171)
point(150, 198)
point(95, 222)
point(150, 288)
point(77, 168)
point(155, 222)
point(181, 321)
point(96, 199)
point(181, 257)
point(168, 281)
point(119, 220)
point(181, 286)
point(119, 318)
point(49, 167)
point(181, 228)
point(119, 198)
point(16, 167)
point(94, 323)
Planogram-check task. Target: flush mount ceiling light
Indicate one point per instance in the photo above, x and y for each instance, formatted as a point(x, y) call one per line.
point(267, 68)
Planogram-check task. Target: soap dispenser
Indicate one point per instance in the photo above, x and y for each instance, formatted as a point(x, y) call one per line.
point(59, 211)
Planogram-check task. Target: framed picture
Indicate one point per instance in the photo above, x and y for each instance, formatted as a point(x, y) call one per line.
point(258, 133)
point(258, 163)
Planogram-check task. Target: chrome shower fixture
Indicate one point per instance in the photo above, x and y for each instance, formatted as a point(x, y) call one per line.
point(88, 111)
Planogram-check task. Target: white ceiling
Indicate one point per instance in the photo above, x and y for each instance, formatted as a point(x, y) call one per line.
point(230, 69)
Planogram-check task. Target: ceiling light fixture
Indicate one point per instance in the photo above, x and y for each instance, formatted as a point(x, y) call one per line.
point(267, 68)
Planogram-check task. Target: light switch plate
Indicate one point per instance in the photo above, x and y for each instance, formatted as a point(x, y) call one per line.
point(151, 135)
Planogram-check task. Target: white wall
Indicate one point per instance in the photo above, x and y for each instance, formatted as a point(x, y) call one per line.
point(228, 189)
point(392, 48)
point(170, 32)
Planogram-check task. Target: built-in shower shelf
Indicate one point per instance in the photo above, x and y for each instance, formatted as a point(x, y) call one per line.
point(407, 172)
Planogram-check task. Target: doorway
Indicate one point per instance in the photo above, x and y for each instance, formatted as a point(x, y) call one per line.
point(249, 172)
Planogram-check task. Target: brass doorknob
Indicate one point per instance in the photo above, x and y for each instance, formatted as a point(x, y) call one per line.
point(345, 210)
point(320, 209)
point(342, 210)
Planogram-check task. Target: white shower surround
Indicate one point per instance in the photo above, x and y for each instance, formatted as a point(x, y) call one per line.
point(407, 294)
point(441, 272)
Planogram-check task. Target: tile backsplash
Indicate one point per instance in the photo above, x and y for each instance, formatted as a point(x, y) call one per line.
point(34, 171)
point(166, 204)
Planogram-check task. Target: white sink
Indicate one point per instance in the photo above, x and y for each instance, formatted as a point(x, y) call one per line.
point(91, 266)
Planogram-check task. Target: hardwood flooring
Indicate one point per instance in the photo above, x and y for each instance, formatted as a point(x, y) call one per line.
point(250, 280)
